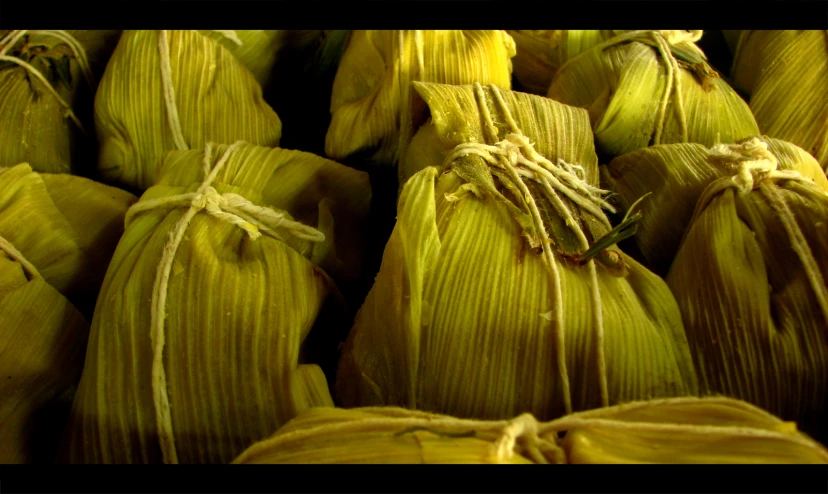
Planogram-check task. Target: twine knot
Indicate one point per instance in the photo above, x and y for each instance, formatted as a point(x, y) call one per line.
point(524, 426)
point(752, 162)
point(674, 37)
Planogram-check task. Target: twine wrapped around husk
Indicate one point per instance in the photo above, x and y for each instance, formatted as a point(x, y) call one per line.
point(174, 90)
point(673, 177)
point(652, 87)
point(749, 278)
point(541, 53)
point(44, 76)
point(372, 88)
point(786, 75)
point(216, 309)
point(490, 300)
point(678, 430)
point(67, 226)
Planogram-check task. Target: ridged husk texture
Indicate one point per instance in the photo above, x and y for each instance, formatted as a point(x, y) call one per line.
point(239, 357)
point(66, 226)
point(541, 53)
point(749, 278)
point(34, 124)
point(217, 99)
point(786, 75)
point(674, 176)
point(683, 430)
point(459, 318)
point(624, 83)
point(372, 88)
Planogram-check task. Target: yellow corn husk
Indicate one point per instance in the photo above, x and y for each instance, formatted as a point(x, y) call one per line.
point(673, 177)
point(41, 123)
point(652, 87)
point(541, 53)
point(216, 99)
point(749, 278)
point(463, 316)
point(42, 342)
point(678, 430)
point(786, 75)
point(246, 318)
point(371, 91)
point(66, 226)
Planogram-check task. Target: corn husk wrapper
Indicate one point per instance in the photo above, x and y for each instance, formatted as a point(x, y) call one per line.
point(66, 226)
point(42, 342)
point(372, 88)
point(673, 176)
point(217, 99)
point(625, 82)
point(43, 124)
point(240, 313)
point(98, 44)
point(786, 75)
point(541, 53)
point(460, 318)
point(683, 430)
point(749, 278)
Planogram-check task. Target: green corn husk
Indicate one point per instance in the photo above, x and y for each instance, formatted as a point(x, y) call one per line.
point(460, 319)
point(541, 53)
point(42, 346)
point(786, 75)
point(371, 91)
point(749, 278)
point(246, 320)
point(66, 226)
point(217, 99)
point(684, 430)
point(673, 177)
point(50, 131)
point(623, 84)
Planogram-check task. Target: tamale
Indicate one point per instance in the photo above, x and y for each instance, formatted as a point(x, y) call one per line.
point(652, 87)
point(541, 53)
point(673, 177)
point(677, 430)
point(469, 315)
point(749, 278)
point(42, 74)
point(42, 343)
point(245, 289)
point(174, 90)
point(66, 226)
point(786, 75)
point(372, 88)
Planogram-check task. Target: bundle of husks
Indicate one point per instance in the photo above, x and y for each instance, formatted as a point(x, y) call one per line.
point(372, 88)
point(57, 233)
point(673, 177)
point(499, 292)
point(749, 278)
point(679, 430)
point(200, 344)
point(174, 90)
point(652, 87)
point(786, 75)
point(42, 73)
point(541, 53)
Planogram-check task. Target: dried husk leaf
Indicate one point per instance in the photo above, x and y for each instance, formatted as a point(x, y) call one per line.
point(246, 320)
point(751, 313)
point(622, 86)
point(42, 345)
point(66, 226)
point(372, 88)
point(541, 53)
point(786, 73)
point(218, 100)
point(458, 320)
point(34, 125)
point(674, 176)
